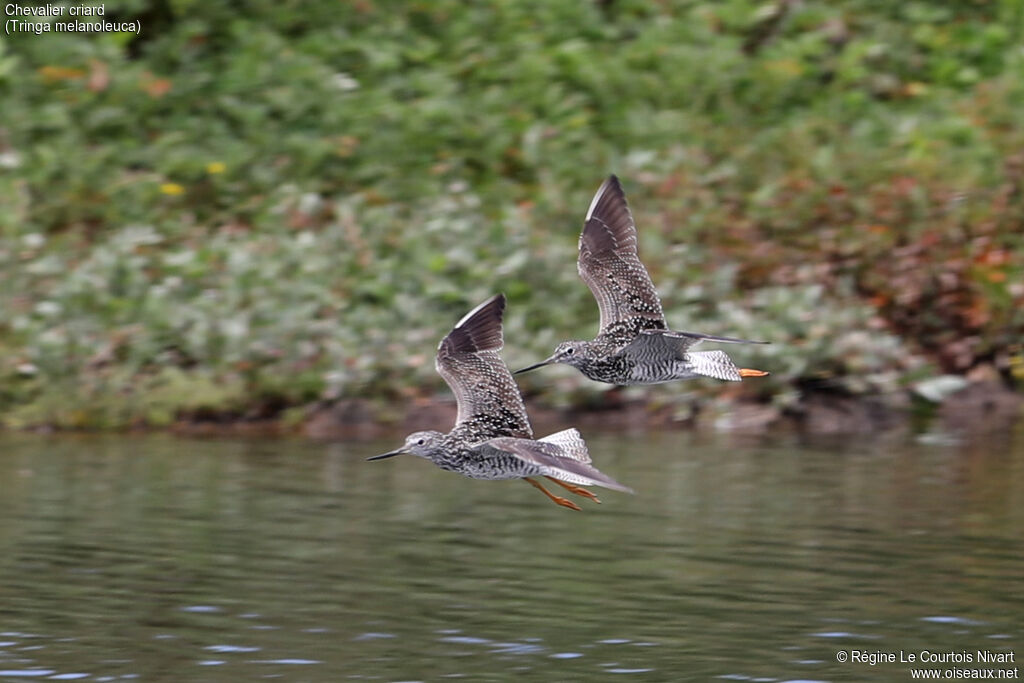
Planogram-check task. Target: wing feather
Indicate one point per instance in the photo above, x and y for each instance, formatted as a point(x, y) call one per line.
point(553, 461)
point(697, 337)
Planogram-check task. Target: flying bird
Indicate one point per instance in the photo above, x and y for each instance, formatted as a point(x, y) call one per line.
point(492, 437)
point(634, 344)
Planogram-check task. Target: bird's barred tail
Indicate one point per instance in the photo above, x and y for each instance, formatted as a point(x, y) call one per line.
point(571, 444)
point(714, 364)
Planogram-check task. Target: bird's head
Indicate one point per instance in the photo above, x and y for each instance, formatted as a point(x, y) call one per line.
point(573, 353)
point(422, 444)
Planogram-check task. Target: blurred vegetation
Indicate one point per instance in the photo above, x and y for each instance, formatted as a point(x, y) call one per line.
point(257, 205)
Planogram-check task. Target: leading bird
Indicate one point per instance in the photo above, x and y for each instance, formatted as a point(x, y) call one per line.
point(492, 437)
point(634, 344)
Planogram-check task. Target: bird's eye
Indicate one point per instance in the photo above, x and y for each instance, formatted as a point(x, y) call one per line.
point(419, 442)
point(570, 350)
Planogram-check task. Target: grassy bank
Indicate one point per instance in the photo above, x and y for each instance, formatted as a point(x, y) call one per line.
point(243, 211)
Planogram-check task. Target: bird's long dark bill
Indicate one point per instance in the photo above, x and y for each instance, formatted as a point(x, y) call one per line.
point(532, 367)
point(389, 454)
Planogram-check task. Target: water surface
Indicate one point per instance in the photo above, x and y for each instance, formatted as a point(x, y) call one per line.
point(157, 558)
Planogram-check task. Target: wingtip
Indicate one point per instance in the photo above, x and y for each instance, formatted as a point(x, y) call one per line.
point(497, 300)
point(611, 182)
point(478, 330)
point(616, 486)
point(608, 226)
point(614, 183)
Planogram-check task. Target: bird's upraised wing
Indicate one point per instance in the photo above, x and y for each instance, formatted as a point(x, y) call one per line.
point(610, 266)
point(488, 399)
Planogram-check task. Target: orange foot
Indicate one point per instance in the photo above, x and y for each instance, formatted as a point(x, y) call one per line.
point(747, 372)
point(557, 500)
point(571, 488)
point(566, 503)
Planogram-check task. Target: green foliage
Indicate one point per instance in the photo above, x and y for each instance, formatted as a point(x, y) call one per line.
point(237, 212)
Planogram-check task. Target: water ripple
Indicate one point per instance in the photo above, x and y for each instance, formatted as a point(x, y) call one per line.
point(464, 640)
point(231, 648)
point(372, 635)
point(516, 648)
point(952, 620)
point(28, 673)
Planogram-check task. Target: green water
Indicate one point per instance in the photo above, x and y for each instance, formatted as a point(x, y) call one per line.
point(163, 559)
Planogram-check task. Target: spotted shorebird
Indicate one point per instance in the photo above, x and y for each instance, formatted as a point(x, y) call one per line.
point(492, 437)
point(634, 344)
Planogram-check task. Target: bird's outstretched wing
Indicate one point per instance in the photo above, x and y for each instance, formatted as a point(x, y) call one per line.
point(562, 455)
point(610, 266)
point(467, 358)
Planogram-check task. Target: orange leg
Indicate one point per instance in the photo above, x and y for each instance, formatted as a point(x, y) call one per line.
point(747, 372)
point(571, 488)
point(564, 502)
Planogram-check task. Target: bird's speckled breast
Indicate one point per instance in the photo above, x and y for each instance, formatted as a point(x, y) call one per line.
point(612, 369)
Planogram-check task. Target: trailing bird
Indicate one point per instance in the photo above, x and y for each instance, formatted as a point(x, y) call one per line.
point(492, 437)
point(634, 344)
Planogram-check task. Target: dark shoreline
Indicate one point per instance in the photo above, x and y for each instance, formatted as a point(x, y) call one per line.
point(980, 408)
